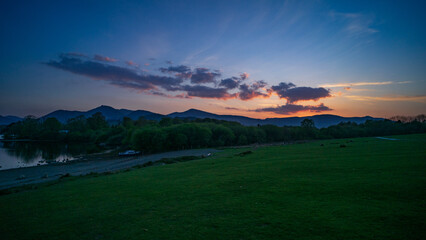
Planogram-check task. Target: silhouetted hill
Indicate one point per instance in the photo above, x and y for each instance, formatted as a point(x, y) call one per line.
point(63, 115)
point(111, 114)
point(146, 114)
point(193, 113)
point(6, 120)
point(115, 115)
point(319, 120)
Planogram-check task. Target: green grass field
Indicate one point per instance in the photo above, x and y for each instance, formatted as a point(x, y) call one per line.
point(370, 189)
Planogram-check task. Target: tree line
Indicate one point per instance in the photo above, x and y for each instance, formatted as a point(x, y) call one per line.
point(169, 134)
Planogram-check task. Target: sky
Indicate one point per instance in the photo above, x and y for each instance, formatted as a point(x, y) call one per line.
point(252, 58)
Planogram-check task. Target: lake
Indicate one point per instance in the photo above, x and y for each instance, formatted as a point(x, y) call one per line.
point(26, 154)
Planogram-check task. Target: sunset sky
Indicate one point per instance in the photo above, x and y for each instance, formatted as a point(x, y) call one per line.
point(252, 58)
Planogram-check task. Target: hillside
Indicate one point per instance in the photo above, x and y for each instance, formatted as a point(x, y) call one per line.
point(111, 114)
point(320, 120)
point(6, 120)
point(371, 189)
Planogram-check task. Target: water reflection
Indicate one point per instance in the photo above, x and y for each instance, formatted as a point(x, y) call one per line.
point(23, 154)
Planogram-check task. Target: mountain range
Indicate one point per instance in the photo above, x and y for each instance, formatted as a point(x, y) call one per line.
point(113, 115)
point(6, 120)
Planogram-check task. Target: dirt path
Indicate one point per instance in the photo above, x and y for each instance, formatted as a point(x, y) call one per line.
point(21, 176)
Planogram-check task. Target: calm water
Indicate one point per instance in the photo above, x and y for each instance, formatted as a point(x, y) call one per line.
point(26, 154)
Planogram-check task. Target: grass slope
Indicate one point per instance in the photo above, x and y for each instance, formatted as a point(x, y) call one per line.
point(370, 189)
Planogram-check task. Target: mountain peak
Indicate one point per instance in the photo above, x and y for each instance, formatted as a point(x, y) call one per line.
point(193, 110)
point(104, 107)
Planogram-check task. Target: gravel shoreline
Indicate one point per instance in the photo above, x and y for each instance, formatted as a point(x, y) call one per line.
point(29, 175)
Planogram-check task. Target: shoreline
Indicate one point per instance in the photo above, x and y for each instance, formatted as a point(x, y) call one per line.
point(16, 177)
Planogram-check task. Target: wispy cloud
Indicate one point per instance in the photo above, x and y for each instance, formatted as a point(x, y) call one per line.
point(333, 85)
point(421, 99)
point(355, 24)
point(351, 89)
point(104, 59)
point(293, 108)
point(131, 63)
point(232, 108)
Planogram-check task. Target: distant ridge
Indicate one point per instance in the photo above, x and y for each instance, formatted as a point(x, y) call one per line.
point(6, 120)
point(113, 115)
point(320, 121)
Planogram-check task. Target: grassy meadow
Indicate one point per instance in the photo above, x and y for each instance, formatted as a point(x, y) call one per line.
point(367, 189)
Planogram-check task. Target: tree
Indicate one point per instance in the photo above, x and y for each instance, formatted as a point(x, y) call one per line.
point(77, 124)
point(128, 123)
point(50, 129)
point(307, 123)
point(164, 122)
point(222, 136)
point(97, 121)
point(51, 124)
point(149, 140)
point(242, 140)
point(30, 127)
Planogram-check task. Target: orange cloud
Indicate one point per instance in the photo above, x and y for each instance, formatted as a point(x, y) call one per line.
point(244, 76)
point(104, 59)
point(421, 99)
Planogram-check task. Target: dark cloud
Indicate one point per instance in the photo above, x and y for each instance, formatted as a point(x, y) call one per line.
point(169, 62)
point(158, 93)
point(293, 94)
point(204, 75)
point(230, 83)
point(183, 95)
point(103, 58)
point(119, 76)
point(176, 69)
point(294, 108)
point(182, 71)
point(259, 84)
point(282, 88)
point(207, 92)
point(187, 82)
point(133, 85)
point(232, 108)
point(234, 82)
point(248, 92)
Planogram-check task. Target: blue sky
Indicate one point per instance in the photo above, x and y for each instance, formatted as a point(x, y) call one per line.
point(369, 55)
